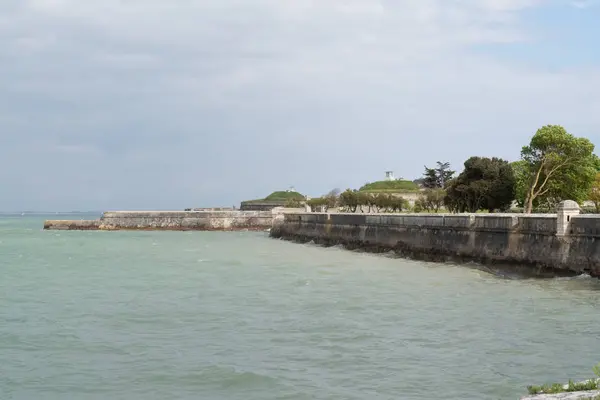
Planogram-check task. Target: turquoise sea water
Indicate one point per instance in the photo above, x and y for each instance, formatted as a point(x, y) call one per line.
point(176, 315)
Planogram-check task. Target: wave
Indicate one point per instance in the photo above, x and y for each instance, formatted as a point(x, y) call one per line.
point(221, 376)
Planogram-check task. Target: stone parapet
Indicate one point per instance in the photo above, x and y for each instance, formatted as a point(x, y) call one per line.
point(562, 243)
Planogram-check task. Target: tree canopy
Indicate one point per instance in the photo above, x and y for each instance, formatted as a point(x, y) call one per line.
point(431, 200)
point(555, 166)
point(594, 195)
point(353, 200)
point(485, 183)
point(436, 178)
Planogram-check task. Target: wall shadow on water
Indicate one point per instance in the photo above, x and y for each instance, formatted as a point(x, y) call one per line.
point(503, 270)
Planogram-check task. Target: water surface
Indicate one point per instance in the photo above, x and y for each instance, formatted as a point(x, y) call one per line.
point(195, 315)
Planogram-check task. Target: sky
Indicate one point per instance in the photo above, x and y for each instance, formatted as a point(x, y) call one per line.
point(154, 104)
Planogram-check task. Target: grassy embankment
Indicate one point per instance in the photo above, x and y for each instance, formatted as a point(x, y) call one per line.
point(398, 186)
point(279, 196)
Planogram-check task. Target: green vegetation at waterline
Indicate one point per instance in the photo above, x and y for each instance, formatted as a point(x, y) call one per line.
point(592, 384)
point(560, 388)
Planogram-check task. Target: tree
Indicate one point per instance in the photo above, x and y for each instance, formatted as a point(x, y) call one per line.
point(594, 195)
point(389, 203)
point(436, 178)
point(444, 173)
point(521, 181)
point(318, 202)
point(431, 200)
point(384, 202)
point(349, 200)
point(484, 184)
point(419, 182)
point(365, 199)
point(557, 166)
point(293, 203)
point(332, 198)
point(430, 179)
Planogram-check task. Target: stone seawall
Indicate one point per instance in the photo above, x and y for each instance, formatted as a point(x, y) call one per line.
point(261, 205)
point(555, 244)
point(72, 225)
point(172, 220)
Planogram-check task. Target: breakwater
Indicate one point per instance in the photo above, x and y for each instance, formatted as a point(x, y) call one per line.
point(172, 220)
point(565, 243)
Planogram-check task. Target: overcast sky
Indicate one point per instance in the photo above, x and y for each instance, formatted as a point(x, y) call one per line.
point(155, 104)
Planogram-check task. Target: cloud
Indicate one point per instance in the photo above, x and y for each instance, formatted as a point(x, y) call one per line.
point(582, 4)
point(211, 102)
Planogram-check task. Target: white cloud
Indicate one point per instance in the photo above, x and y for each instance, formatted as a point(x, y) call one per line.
point(235, 87)
point(584, 3)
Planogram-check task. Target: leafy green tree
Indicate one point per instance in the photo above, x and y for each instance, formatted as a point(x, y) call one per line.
point(485, 183)
point(349, 200)
point(384, 202)
point(399, 204)
point(430, 179)
point(436, 178)
point(521, 181)
point(418, 206)
point(431, 200)
point(293, 203)
point(594, 195)
point(444, 173)
point(390, 203)
point(365, 200)
point(558, 166)
point(318, 202)
point(419, 182)
point(333, 198)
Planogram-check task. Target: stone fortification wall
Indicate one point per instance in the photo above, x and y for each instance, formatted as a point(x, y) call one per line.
point(561, 243)
point(172, 220)
point(261, 205)
point(72, 225)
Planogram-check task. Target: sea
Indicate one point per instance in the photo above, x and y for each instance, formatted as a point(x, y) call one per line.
point(238, 315)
